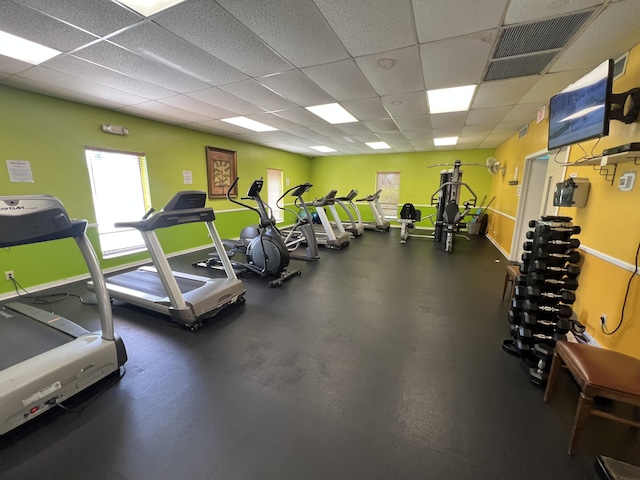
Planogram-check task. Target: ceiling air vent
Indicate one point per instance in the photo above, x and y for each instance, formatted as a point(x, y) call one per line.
point(620, 65)
point(519, 66)
point(550, 34)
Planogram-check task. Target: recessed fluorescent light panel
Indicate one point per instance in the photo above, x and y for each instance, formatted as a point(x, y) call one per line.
point(456, 99)
point(332, 113)
point(377, 145)
point(25, 50)
point(249, 124)
point(444, 141)
point(149, 7)
point(322, 148)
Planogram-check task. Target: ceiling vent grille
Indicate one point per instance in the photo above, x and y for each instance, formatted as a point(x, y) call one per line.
point(519, 66)
point(550, 34)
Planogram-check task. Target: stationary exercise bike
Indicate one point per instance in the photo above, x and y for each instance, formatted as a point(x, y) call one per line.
point(265, 252)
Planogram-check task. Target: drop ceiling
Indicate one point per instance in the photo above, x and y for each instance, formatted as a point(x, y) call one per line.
point(202, 61)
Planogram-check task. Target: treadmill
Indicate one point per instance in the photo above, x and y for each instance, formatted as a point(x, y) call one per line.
point(380, 223)
point(188, 299)
point(45, 358)
point(325, 234)
point(354, 226)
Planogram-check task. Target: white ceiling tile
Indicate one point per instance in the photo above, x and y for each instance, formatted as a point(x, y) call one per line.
point(274, 120)
point(227, 101)
point(492, 141)
point(297, 88)
point(255, 93)
point(529, 10)
point(358, 128)
point(80, 68)
point(597, 42)
point(37, 27)
point(406, 104)
point(328, 130)
point(436, 20)
point(417, 134)
point(384, 125)
point(487, 115)
point(208, 26)
point(12, 66)
point(85, 87)
point(502, 92)
point(155, 43)
point(392, 137)
point(96, 16)
point(457, 61)
point(449, 120)
point(366, 138)
point(446, 132)
point(192, 105)
point(508, 127)
point(470, 140)
point(151, 114)
point(522, 113)
point(221, 126)
point(342, 80)
point(61, 92)
point(122, 60)
point(417, 122)
point(393, 72)
point(366, 109)
point(171, 111)
point(478, 130)
point(304, 132)
point(424, 144)
point(301, 116)
point(293, 28)
point(370, 26)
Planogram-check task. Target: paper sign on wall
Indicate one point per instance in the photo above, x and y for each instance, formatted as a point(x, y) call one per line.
point(19, 171)
point(187, 177)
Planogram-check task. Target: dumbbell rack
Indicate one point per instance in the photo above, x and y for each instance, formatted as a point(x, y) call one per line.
point(540, 313)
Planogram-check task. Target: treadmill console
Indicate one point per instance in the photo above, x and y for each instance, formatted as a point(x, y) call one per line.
point(186, 200)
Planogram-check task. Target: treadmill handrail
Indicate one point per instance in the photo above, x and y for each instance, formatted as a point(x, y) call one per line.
point(170, 218)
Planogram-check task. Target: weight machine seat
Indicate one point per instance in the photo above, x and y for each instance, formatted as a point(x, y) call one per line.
point(409, 212)
point(510, 275)
point(452, 213)
point(599, 373)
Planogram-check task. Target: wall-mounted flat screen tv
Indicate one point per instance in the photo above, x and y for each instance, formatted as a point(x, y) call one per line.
point(581, 111)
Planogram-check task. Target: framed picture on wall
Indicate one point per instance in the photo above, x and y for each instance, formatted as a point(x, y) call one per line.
point(222, 170)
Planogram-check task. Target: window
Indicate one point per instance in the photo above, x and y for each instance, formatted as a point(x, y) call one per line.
point(389, 183)
point(120, 190)
point(274, 192)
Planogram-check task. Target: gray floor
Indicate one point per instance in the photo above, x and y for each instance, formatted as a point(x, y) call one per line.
point(381, 361)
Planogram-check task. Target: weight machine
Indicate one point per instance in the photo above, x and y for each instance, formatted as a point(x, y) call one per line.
point(449, 218)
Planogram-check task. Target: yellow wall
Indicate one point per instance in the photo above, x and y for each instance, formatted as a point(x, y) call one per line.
point(609, 223)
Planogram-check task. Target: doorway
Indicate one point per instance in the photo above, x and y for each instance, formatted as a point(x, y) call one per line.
point(542, 170)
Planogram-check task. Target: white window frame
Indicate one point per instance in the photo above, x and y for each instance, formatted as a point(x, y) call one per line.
point(389, 198)
point(120, 192)
point(274, 192)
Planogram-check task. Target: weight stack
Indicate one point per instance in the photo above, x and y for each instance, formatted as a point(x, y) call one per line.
point(540, 313)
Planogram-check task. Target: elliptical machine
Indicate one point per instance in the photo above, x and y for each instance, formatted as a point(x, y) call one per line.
point(265, 252)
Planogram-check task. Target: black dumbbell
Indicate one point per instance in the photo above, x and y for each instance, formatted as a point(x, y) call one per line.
point(564, 296)
point(571, 257)
point(514, 318)
point(531, 235)
point(527, 336)
point(571, 243)
point(517, 304)
point(573, 230)
point(569, 270)
point(561, 283)
point(561, 325)
point(560, 310)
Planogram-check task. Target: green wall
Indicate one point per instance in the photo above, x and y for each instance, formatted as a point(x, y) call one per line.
point(418, 182)
point(52, 134)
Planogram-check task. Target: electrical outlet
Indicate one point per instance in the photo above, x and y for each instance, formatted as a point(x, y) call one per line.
point(8, 275)
point(603, 319)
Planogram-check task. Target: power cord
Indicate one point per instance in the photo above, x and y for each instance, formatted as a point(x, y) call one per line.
point(626, 296)
point(47, 299)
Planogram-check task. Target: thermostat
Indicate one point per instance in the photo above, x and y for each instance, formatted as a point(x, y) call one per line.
point(626, 182)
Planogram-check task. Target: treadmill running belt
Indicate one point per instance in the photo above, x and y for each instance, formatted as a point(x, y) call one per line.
point(150, 283)
point(22, 338)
